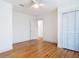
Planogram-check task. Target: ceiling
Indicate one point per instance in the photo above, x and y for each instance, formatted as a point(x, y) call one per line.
point(49, 5)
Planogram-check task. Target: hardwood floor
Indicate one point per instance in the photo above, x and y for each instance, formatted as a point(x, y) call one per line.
point(39, 49)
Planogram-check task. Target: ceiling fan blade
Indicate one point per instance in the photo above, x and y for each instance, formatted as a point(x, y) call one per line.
point(27, 5)
point(35, 1)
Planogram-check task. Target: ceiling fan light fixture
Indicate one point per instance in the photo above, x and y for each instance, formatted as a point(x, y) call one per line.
point(35, 6)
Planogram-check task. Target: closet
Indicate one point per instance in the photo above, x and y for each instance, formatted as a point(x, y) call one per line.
point(77, 31)
point(24, 27)
point(33, 28)
point(70, 30)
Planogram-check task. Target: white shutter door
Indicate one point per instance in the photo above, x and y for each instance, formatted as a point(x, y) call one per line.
point(71, 30)
point(77, 31)
point(65, 30)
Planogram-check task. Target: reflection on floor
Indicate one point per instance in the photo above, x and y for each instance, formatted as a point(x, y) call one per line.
point(38, 49)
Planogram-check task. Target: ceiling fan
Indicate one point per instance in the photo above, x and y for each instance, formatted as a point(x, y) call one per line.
point(34, 4)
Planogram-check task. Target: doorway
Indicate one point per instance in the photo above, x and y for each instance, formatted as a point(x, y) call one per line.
point(40, 28)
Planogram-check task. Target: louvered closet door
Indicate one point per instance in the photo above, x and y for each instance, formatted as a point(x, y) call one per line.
point(68, 27)
point(71, 30)
point(77, 31)
point(65, 31)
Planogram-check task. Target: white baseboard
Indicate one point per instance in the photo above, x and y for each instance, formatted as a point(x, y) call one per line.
point(6, 49)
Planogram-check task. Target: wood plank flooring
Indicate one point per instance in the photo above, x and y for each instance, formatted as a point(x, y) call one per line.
point(38, 49)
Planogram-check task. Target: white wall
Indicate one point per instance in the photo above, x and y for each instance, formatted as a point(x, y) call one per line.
point(50, 27)
point(21, 27)
point(5, 26)
point(67, 4)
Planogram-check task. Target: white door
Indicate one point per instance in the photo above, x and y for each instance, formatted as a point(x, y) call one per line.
point(71, 30)
point(33, 29)
point(65, 31)
point(68, 27)
point(77, 31)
